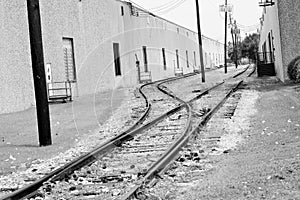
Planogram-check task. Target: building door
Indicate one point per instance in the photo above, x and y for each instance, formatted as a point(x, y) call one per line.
point(195, 61)
point(145, 58)
point(117, 61)
point(187, 58)
point(69, 61)
point(164, 58)
point(177, 58)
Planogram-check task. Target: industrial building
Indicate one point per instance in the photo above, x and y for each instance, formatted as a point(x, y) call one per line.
point(94, 46)
point(279, 34)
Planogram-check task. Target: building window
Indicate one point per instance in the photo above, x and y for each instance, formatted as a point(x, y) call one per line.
point(270, 53)
point(164, 58)
point(122, 11)
point(145, 58)
point(117, 61)
point(265, 52)
point(69, 59)
point(177, 58)
point(187, 58)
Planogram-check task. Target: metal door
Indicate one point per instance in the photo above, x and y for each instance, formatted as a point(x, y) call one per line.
point(69, 61)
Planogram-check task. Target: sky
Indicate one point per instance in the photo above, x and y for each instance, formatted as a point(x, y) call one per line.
point(245, 12)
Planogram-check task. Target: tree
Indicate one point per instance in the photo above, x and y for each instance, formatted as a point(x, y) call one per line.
point(231, 53)
point(249, 46)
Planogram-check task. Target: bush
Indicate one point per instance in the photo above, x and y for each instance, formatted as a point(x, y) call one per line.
point(294, 69)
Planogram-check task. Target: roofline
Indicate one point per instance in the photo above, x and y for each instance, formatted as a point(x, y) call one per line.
point(154, 15)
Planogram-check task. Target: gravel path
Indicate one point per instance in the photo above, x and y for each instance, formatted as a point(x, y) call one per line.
point(257, 155)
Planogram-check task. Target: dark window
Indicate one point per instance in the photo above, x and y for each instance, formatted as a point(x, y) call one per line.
point(69, 59)
point(177, 58)
point(164, 58)
point(122, 10)
point(270, 47)
point(145, 58)
point(264, 47)
point(187, 58)
point(117, 61)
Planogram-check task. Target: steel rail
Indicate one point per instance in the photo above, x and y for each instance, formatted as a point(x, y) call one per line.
point(90, 157)
point(75, 164)
point(240, 73)
point(169, 156)
point(160, 165)
point(251, 73)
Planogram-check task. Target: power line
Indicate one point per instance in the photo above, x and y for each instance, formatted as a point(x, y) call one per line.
point(163, 6)
point(163, 10)
point(171, 8)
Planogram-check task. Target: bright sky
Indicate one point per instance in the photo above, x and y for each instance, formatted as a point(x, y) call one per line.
point(183, 12)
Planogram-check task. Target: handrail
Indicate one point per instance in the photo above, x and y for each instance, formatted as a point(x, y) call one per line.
point(65, 86)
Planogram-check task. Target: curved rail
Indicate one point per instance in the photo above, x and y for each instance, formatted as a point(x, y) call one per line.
point(240, 73)
point(90, 157)
point(160, 165)
point(251, 73)
point(116, 141)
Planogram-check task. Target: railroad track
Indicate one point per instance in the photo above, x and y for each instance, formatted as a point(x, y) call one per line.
point(156, 155)
point(92, 156)
point(189, 164)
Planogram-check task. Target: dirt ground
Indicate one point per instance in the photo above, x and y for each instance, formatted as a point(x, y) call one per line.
point(69, 122)
point(266, 164)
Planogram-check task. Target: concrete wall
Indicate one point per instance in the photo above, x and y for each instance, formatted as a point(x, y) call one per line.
point(282, 20)
point(270, 24)
point(213, 52)
point(16, 80)
point(289, 23)
point(93, 26)
point(156, 33)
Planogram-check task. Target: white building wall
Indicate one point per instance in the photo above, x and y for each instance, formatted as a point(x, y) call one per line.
point(270, 24)
point(213, 52)
point(89, 24)
point(16, 80)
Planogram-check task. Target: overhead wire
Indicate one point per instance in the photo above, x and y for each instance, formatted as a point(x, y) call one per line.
point(163, 9)
point(173, 4)
point(179, 3)
point(166, 5)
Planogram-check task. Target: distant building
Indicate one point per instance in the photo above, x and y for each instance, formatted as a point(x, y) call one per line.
point(94, 45)
point(280, 34)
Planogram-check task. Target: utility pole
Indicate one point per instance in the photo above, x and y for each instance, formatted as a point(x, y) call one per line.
point(236, 44)
point(200, 42)
point(225, 43)
point(39, 77)
point(232, 35)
